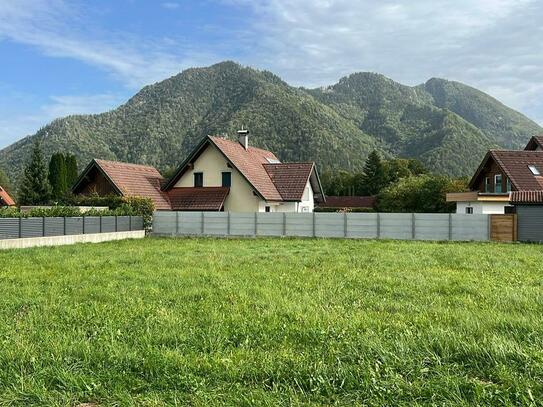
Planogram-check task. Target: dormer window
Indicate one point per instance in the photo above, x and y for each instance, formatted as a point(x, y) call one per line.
point(534, 170)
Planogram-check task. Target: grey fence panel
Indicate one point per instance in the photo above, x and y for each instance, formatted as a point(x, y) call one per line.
point(470, 227)
point(32, 227)
point(242, 224)
point(74, 226)
point(164, 223)
point(271, 224)
point(215, 223)
point(300, 224)
point(432, 226)
point(530, 223)
point(362, 225)
point(92, 224)
point(330, 225)
point(191, 223)
point(9, 228)
point(396, 226)
point(123, 223)
point(136, 223)
point(108, 224)
point(54, 226)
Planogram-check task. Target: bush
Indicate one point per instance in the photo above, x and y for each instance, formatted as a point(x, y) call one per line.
point(350, 210)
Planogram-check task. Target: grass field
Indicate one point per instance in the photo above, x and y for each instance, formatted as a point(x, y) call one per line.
point(272, 322)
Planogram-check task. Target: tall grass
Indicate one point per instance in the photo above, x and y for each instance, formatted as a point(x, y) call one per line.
point(272, 322)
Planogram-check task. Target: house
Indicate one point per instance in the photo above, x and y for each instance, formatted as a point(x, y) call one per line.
point(340, 203)
point(5, 199)
point(500, 173)
point(218, 175)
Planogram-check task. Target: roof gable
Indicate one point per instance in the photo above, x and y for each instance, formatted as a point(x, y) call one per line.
point(535, 143)
point(290, 179)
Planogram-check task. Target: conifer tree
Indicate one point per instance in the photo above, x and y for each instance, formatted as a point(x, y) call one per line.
point(374, 179)
point(4, 181)
point(71, 170)
point(35, 188)
point(57, 175)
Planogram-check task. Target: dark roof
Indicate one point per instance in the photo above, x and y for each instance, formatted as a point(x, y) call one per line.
point(290, 179)
point(515, 166)
point(5, 199)
point(534, 143)
point(349, 202)
point(255, 165)
point(130, 180)
point(526, 197)
point(197, 198)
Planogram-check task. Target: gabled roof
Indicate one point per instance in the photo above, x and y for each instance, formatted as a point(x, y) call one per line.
point(129, 180)
point(515, 165)
point(526, 197)
point(290, 179)
point(271, 180)
point(198, 198)
point(534, 143)
point(349, 202)
point(5, 199)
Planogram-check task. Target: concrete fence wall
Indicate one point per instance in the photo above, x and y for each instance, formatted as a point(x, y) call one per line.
point(20, 228)
point(408, 226)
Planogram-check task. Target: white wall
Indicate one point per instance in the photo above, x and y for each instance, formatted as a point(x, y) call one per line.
point(482, 207)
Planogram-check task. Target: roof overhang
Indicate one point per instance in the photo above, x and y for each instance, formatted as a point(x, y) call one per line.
point(477, 197)
point(83, 177)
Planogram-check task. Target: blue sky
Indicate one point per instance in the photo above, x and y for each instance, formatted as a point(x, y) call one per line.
point(60, 57)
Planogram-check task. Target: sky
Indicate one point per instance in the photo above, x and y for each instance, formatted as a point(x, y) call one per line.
point(61, 57)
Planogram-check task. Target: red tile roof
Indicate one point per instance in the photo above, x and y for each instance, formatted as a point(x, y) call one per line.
point(535, 142)
point(250, 163)
point(515, 165)
point(197, 198)
point(349, 202)
point(290, 179)
point(526, 197)
point(5, 199)
point(136, 180)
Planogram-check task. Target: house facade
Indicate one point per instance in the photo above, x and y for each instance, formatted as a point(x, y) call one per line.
point(501, 173)
point(218, 175)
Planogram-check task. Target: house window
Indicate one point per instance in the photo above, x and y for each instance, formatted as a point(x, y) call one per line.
point(498, 183)
point(534, 170)
point(469, 210)
point(487, 184)
point(227, 179)
point(199, 179)
point(508, 186)
point(267, 209)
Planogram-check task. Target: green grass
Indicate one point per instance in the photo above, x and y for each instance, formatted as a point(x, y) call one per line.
point(272, 322)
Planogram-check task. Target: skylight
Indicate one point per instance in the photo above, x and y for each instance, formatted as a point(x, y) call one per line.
point(273, 161)
point(534, 170)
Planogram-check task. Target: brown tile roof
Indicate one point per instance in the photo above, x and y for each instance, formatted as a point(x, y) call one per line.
point(5, 199)
point(136, 180)
point(535, 142)
point(526, 197)
point(197, 199)
point(250, 163)
point(515, 165)
point(290, 179)
point(349, 202)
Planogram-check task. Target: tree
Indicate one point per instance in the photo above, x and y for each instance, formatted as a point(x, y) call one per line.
point(57, 175)
point(373, 179)
point(71, 170)
point(35, 188)
point(4, 181)
point(425, 193)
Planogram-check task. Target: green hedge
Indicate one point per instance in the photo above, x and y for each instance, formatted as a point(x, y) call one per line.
point(350, 210)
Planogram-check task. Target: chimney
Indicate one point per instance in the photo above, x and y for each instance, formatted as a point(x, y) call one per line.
point(243, 138)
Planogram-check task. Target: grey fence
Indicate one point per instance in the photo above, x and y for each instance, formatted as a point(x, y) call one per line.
point(341, 225)
point(16, 228)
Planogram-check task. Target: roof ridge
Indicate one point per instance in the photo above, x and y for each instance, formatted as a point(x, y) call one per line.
point(125, 163)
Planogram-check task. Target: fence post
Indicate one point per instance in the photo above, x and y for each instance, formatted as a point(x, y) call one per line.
point(284, 223)
point(177, 223)
point(228, 223)
point(256, 223)
point(344, 224)
point(116, 229)
point(450, 226)
point(129, 222)
point(64, 225)
point(100, 223)
point(43, 226)
point(378, 225)
point(314, 224)
point(83, 224)
point(202, 226)
point(20, 227)
point(413, 227)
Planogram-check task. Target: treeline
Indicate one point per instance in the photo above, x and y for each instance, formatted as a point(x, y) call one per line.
point(400, 185)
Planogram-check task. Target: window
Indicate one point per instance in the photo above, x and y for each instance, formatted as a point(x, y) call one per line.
point(267, 209)
point(498, 183)
point(508, 186)
point(227, 179)
point(469, 210)
point(198, 179)
point(534, 170)
point(487, 184)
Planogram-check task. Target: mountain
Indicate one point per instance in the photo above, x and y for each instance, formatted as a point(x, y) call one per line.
point(447, 125)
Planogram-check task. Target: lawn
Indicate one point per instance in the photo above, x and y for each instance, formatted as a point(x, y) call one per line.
point(206, 322)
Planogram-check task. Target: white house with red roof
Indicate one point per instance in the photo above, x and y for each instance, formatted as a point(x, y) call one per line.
point(218, 175)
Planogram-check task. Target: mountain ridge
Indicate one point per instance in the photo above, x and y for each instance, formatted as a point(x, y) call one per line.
point(447, 125)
